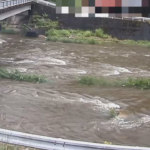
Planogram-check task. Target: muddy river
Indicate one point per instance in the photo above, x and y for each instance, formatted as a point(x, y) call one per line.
point(62, 108)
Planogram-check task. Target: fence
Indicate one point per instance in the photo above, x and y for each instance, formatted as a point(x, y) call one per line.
point(10, 3)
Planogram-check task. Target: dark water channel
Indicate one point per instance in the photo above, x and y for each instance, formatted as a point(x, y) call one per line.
point(64, 109)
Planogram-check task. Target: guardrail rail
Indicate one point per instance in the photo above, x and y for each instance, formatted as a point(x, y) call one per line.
point(11, 3)
point(49, 143)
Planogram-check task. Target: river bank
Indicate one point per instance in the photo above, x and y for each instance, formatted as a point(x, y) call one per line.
point(52, 32)
point(77, 36)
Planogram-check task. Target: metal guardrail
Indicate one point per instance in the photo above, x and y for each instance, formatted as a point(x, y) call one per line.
point(48, 143)
point(10, 3)
point(46, 3)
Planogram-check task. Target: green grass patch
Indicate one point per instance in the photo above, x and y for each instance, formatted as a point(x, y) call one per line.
point(87, 33)
point(18, 76)
point(8, 31)
point(58, 33)
point(71, 40)
point(142, 83)
point(100, 33)
point(71, 36)
point(42, 22)
point(132, 42)
point(5, 146)
point(88, 37)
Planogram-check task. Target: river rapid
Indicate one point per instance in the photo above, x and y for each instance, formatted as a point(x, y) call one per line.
point(62, 108)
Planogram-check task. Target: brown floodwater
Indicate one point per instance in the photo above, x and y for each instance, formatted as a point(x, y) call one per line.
point(62, 108)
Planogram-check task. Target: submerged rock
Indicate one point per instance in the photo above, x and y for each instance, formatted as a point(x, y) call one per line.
point(126, 115)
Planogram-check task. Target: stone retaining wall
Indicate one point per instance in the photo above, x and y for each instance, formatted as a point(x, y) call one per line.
point(121, 29)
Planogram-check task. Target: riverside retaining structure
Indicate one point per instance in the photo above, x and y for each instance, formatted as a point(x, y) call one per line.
point(121, 29)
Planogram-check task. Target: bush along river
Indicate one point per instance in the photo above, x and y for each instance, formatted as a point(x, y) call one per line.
point(93, 93)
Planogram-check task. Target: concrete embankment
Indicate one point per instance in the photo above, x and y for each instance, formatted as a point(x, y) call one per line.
point(121, 29)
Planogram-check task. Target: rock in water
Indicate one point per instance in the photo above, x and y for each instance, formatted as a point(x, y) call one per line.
point(42, 36)
point(32, 34)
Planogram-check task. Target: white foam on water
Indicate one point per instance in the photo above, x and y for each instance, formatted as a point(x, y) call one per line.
point(113, 70)
point(7, 59)
point(22, 69)
point(82, 72)
point(47, 60)
point(125, 55)
point(100, 104)
point(147, 55)
point(24, 61)
point(116, 72)
point(120, 69)
point(129, 123)
point(2, 41)
point(75, 71)
point(135, 123)
point(53, 61)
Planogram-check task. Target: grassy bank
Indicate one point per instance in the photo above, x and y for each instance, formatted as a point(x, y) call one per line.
point(142, 83)
point(88, 37)
point(54, 33)
point(77, 36)
point(18, 76)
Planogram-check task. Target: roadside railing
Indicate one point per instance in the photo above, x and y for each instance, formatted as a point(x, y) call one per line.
point(49, 143)
point(9, 3)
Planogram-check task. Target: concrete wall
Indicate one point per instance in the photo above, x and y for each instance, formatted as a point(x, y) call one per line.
point(122, 29)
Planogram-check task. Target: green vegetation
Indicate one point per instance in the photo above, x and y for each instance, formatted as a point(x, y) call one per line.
point(132, 42)
point(5, 29)
point(8, 31)
point(142, 83)
point(42, 22)
point(113, 112)
point(9, 147)
point(18, 76)
point(54, 33)
point(4, 146)
point(87, 37)
point(100, 33)
point(106, 142)
point(51, 1)
point(89, 80)
point(71, 36)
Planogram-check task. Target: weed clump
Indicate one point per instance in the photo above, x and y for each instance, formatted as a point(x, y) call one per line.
point(87, 33)
point(142, 83)
point(7, 31)
point(100, 33)
point(113, 113)
point(18, 76)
